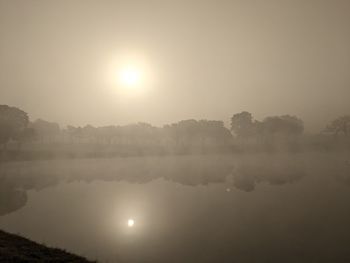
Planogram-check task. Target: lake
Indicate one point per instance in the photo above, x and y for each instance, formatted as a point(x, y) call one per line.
point(213, 208)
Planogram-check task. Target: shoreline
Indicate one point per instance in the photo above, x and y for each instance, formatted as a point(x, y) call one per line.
point(14, 248)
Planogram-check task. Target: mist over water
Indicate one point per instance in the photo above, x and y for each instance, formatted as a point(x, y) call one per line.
point(215, 208)
point(180, 131)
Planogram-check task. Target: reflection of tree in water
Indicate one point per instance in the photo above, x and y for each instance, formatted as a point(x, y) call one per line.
point(246, 176)
point(13, 195)
point(191, 171)
point(199, 173)
point(342, 172)
point(11, 199)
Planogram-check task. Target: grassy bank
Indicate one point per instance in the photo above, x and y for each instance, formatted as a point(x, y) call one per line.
point(14, 248)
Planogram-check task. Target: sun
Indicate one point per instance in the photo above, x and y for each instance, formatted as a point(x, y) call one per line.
point(131, 222)
point(129, 77)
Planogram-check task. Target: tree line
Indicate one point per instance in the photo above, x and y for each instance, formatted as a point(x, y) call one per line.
point(181, 137)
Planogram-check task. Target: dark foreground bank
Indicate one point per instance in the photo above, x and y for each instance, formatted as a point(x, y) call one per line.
point(14, 248)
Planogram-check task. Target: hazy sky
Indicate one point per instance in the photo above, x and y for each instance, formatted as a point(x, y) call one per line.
point(208, 59)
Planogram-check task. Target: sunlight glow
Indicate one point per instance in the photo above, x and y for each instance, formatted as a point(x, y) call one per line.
point(129, 77)
point(131, 222)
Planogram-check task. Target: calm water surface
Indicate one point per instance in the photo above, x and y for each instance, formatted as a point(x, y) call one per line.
point(248, 208)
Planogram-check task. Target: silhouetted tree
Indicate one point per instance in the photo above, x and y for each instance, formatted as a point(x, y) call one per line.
point(140, 133)
point(280, 132)
point(24, 136)
point(182, 132)
point(89, 132)
point(45, 130)
point(285, 125)
point(75, 133)
point(106, 134)
point(214, 131)
point(340, 125)
point(12, 122)
point(193, 133)
point(243, 125)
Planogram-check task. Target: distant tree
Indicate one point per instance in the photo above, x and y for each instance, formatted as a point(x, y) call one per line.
point(75, 133)
point(45, 130)
point(280, 132)
point(24, 136)
point(285, 125)
point(243, 125)
point(12, 122)
point(5, 132)
point(107, 134)
point(215, 131)
point(183, 132)
point(90, 133)
point(340, 125)
point(192, 133)
point(142, 133)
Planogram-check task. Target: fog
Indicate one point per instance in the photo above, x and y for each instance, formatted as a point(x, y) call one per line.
point(208, 59)
point(185, 208)
point(174, 131)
